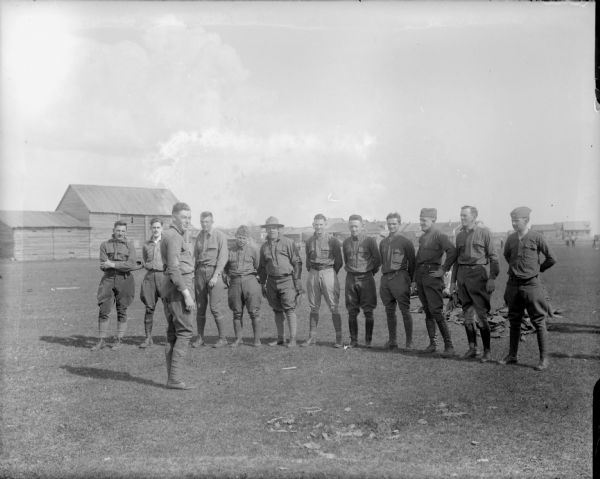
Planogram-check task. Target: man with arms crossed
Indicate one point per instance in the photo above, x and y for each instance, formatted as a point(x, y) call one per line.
point(362, 261)
point(475, 249)
point(429, 277)
point(176, 250)
point(524, 291)
point(323, 262)
point(211, 255)
point(279, 272)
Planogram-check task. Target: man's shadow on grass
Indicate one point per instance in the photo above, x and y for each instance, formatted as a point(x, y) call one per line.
point(98, 373)
point(573, 328)
point(86, 342)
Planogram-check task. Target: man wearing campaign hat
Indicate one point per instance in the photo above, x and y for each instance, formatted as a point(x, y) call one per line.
point(279, 272)
point(429, 277)
point(524, 290)
point(244, 289)
point(472, 281)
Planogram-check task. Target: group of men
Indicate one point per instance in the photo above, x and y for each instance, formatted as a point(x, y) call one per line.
point(191, 278)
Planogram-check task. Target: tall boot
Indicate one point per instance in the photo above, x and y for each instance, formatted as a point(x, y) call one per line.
point(238, 328)
point(542, 338)
point(408, 328)
point(369, 324)
point(513, 347)
point(279, 326)
point(256, 330)
point(337, 326)
point(290, 314)
point(431, 332)
point(445, 332)
point(121, 328)
point(312, 331)
point(353, 327)
point(178, 353)
point(486, 340)
point(147, 330)
point(201, 324)
point(472, 338)
point(168, 356)
point(391, 322)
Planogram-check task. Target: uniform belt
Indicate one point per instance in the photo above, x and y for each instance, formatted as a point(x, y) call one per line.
point(280, 277)
point(395, 271)
point(361, 273)
point(117, 273)
point(206, 266)
point(516, 279)
point(470, 265)
point(320, 267)
point(429, 264)
point(156, 270)
point(233, 276)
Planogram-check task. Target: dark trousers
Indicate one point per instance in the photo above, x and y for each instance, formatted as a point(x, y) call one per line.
point(430, 290)
point(471, 288)
point(244, 291)
point(395, 289)
point(117, 288)
point(149, 294)
point(521, 295)
point(206, 297)
point(360, 292)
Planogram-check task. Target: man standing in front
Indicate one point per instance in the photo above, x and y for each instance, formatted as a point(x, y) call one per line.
point(117, 260)
point(524, 291)
point(362, 261)
point(279, 272)
point(429, 277)
point(397, 271)
point(152, 282)
point(244, 288)
point(176, 251)
point(475, 249)
point(323, 262)
point(211, 256)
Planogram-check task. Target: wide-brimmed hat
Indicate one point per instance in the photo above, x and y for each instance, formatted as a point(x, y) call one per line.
point(272, 221)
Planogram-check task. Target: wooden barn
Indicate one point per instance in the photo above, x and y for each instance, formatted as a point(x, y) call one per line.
point(100, 206)
point(42, 235)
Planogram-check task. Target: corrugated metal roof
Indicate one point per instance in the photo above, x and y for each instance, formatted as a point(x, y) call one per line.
point(39, 219)
point(126, 199)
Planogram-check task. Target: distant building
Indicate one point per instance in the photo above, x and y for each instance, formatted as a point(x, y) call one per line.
point(582, 230)
point(552, 232)
point(42, 235)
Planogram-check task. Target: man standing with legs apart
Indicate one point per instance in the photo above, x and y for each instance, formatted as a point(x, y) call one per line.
point(524, 290)
point(362, 261)
point(176, 250)
point(323, 262)
point(397, 272)
point(279, 272)
point(117, 260)
point(211, 255)
point(152, 282)
point(429, 276)
point(244, 289)
point(475, 249)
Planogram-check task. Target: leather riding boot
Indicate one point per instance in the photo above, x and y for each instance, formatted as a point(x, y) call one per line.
point(408, 328)
point(514, 339)
point(337, 326)
point(472, 339)
point(391, 322)
point(485, 338)
point(431, 332)
point(542, 337)
point(290, 314)
point(369, 324)
point(168, 357)
point(353, 327)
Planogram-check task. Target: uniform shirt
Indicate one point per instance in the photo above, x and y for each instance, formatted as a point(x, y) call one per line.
point(523, 255)
point(476, 246)
point(151, 255)
point(397, 253)
point(323, 251)
point(278, 258)
point(361, 254)
point(120, 252)
point(211, 250)
point(176, 250)
point(243, 260)
point(432, 246)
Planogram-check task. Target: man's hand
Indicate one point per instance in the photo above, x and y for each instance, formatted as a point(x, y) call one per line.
point(213, 281)
point(264, 290)
point(190, 304)
point(452, 288)
point(413, 288)
point(107, 264)
point(490, 286)
point(438, 273)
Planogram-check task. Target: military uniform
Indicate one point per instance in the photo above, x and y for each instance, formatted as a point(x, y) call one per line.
point(323, 262)
point(397, 271)
point(433, 244)
point(151, 284)
point(244, 288)
point(117, 284)
point(524, 290)
point(211, 256)
point(279, 272)
point(475, 250)
point(176, 250)
point(361, 261)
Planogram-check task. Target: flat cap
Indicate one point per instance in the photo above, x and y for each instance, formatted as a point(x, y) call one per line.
point(520, 212)
point(428, 213)
point(243, 230)
point(272, 221)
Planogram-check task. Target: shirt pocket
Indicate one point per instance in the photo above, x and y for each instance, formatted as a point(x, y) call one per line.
point(397, 258)
point(324, 254)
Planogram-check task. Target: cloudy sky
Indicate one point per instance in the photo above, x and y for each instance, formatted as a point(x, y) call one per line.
point(254, 109)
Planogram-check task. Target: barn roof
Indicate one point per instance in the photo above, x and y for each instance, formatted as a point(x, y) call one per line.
point(125, 199)
point(39, 219)
point(547, 227)
point(576, 225)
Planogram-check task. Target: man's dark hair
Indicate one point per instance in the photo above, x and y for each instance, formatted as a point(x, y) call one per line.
point(156, 220)
point(394, 215)
point(319, 216)
point(177, 207)
point(355, 218)
point(120, 223)
point(206, 214)
point(472, 209)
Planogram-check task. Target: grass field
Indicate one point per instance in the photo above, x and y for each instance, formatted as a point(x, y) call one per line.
point(69, 412)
